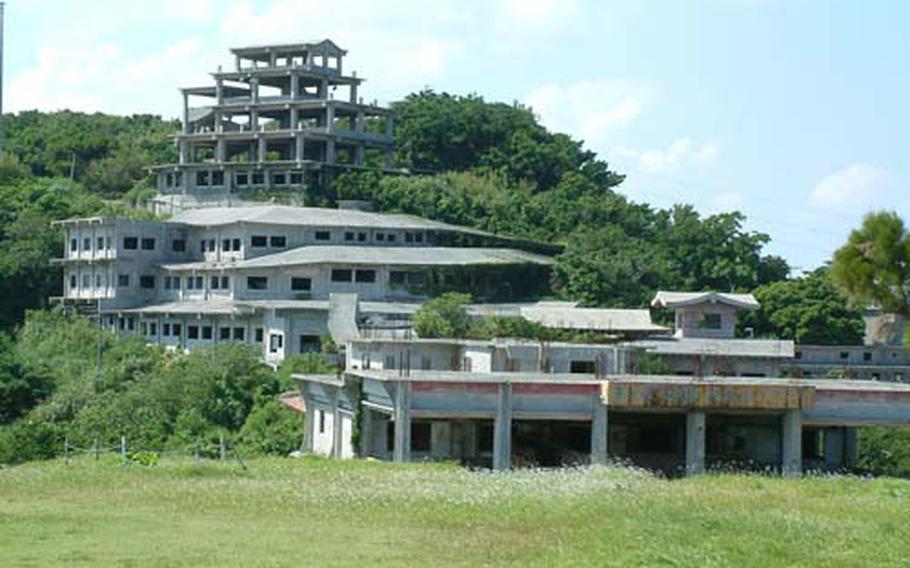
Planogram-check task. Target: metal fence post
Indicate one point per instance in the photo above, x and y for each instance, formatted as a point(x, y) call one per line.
point(197, 451)
point(123, 450)
point(221, 446)
point(97, 448)
point(66, 450)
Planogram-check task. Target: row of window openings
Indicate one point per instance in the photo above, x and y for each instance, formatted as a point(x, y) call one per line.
point(298, 284)
point(844, 355)
point(234, 245)
point(104, 243)
point(216, 179)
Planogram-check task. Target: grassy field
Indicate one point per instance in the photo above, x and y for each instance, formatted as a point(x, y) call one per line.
point(287, 512)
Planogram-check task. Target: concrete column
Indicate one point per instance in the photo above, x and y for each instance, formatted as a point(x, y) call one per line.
point(402, 449)
point(792, 446)
point(381, 439)
point(330, 151)
point(850, 448)
point(182, 150)
point(502, 429)
point(388, 159)
point(219, 91)
point(359, 121)
point(441, 440)
point(696, 424)
point(330, 118)
point(262, 149)
point(366, 432)
point(220, 150)
point(254, 90)
point(324, 89)
point(358, 155)
point(254, 120)
point(299, 146)
point(354, 93)
point(389, 126)
point(186, 113)
point(309, 426)
point(294, 119)
point(599, 430)
point(337, 430)
point(295, 86)
point(835, 445)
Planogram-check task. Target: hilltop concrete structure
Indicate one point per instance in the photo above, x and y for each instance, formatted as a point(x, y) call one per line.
point(508, 402)
point(293, 280)
point(285, 118)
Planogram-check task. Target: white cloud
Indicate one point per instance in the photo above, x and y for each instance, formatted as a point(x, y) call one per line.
point(588, 109)
point(681, 153)
point(855, 186)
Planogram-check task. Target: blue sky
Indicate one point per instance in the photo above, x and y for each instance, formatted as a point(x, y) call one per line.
point(794, 112)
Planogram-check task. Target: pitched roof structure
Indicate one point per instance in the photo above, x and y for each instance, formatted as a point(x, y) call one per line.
point(673, 300)
point(375, 255)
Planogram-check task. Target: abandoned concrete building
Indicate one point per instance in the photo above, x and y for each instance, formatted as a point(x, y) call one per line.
point(292, 280)
point(285, 118)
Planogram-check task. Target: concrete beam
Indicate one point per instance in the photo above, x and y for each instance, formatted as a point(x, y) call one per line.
point(696, 425)
point(599, 433)
point(402, 449)
point(792, 443)
point(502, 429)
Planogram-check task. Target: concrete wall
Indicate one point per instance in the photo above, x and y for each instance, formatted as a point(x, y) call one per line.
point(690, 321)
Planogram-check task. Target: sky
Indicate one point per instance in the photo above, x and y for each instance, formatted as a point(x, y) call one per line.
point(792, 111)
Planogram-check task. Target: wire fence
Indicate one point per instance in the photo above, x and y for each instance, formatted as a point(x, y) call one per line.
point(222, 452)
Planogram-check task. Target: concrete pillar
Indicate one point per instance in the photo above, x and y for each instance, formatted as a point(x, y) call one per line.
point(696, 424)
point(262, 149)
point(835, 445)
point(402, 449)
point(389, 126)
point(186, 113)
point(366, 433)
point(220, 150)
point(254, 120)
point(182, 150)
point(599, 429)
point(850, 448)
point(299, 146)
point(330, 118)
point(358, 155)
point(354, 93)
point(254, 90)
point(792, 446)
point(324, 89)
point(337, 430)
point(381, 437)
point(388, 158)
point(502, 429)
point(219, 90)
point(295, 86)
point(359, 121)
point(441, 440)
point(330, 151)
point(293, 119)
point(309, 426)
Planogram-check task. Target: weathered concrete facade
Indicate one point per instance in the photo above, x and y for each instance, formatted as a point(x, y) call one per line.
point(284, 119)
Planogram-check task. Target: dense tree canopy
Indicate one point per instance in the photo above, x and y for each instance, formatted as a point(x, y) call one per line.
point(873, 267)
point(808, 309)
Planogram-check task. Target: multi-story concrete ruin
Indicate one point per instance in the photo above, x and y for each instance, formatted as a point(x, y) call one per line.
point(284, 119)
point(291, 280)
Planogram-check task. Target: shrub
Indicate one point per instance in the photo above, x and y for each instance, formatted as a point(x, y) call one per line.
point(271, 429)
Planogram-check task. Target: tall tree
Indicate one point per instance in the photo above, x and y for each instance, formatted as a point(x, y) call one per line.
point(873, 267)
